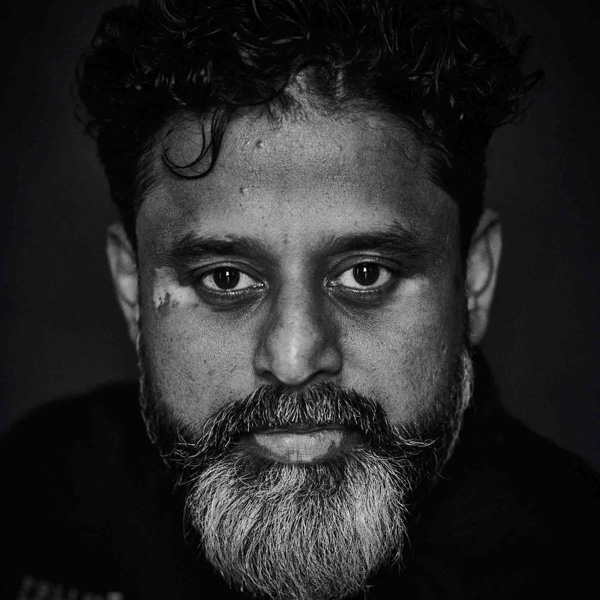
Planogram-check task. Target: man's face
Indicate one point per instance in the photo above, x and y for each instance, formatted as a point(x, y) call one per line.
point(315, 251)
point(302, 327)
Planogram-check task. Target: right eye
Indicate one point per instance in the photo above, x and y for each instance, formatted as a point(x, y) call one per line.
point(365, 276)
point(228, 280)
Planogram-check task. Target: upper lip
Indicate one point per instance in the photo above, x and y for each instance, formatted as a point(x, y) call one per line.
point(298, 428)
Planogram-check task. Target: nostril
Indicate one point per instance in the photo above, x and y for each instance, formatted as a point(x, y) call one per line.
point(297, 350)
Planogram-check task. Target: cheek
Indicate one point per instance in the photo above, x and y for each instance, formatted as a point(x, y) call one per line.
point(195, 367)
point(405, 357)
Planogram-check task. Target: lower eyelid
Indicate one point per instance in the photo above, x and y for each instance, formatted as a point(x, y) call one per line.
point(386, 273)
point(253, 283)
point(234, 292)
point(224, 298)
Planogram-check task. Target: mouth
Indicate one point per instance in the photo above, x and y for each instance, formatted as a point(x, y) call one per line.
point(302, 443)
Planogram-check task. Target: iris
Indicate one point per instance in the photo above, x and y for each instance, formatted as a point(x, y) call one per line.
point(226, 278)
point(366, 273)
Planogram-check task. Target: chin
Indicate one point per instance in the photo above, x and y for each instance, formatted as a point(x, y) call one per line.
point(303, 496)
point(301, 530)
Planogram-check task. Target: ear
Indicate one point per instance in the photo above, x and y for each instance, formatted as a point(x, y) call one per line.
point(481, 273)
point(123, 267)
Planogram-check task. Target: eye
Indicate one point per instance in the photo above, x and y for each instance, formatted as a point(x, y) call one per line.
point(228, 280)
point(364, 276)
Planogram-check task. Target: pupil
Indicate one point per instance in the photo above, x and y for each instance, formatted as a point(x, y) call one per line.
point(366, 274)
point(226, 279)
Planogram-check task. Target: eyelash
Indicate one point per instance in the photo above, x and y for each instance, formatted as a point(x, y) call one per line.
point(250, 292)
point(226, 295)
point(368, 293)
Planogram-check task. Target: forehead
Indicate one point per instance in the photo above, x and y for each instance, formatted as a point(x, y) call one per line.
point(312, 171)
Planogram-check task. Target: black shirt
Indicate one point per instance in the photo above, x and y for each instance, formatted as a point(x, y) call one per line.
point(88, 511)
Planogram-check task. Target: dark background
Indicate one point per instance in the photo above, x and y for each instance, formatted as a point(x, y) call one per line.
point(60, 329)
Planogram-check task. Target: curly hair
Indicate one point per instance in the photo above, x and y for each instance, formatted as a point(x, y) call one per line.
point(450, 70)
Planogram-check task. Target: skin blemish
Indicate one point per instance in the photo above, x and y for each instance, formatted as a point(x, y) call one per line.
point(168, 293)
point(310, 211)
point(163, 303)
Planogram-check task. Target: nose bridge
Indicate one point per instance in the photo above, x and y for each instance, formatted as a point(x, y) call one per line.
point(298, 340)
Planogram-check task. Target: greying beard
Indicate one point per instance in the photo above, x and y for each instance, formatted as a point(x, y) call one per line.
point(305, 531)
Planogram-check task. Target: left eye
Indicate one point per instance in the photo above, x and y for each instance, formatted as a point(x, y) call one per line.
point(365, 275)
point(228, 279)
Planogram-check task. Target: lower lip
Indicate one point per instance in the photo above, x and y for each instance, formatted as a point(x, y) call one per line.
point(301, 447)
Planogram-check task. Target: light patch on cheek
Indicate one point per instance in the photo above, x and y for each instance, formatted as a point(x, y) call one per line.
point(412, 287)
point(168, 293)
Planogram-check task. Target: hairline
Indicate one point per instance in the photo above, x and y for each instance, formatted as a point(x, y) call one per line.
point(149, 174)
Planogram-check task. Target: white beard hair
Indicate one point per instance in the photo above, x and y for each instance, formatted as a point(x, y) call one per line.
point(309, 531)
point(289, 535)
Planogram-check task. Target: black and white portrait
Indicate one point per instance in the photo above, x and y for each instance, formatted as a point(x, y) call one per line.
point(300, 300)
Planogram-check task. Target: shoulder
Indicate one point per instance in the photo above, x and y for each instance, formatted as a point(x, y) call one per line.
point(72, 414)
point(533, 475)
point(513, 512)
point(72, 432)
point(62, 467)
point(497, 452)
point(65, 446)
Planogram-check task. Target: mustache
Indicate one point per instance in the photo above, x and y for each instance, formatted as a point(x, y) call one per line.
point(272, 407)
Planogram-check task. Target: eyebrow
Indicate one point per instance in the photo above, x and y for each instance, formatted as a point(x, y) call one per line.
point(396, 239)
point(192, 247)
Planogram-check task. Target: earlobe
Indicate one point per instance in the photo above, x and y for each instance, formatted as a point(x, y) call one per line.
point(481, 273)
point(122, 260)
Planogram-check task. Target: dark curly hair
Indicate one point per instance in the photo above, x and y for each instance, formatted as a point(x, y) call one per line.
point(450, 70)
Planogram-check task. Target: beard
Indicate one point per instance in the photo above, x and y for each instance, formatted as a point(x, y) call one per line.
point(305, 531)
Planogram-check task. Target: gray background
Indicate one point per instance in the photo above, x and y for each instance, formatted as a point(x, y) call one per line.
point(60, 329)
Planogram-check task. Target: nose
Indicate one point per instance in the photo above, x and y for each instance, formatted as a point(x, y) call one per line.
point(298, 342)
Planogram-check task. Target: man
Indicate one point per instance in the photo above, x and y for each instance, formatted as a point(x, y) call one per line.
point(306, 268)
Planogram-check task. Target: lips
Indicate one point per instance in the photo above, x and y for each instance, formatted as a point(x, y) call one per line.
point(299, 428)
point(302, 443)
